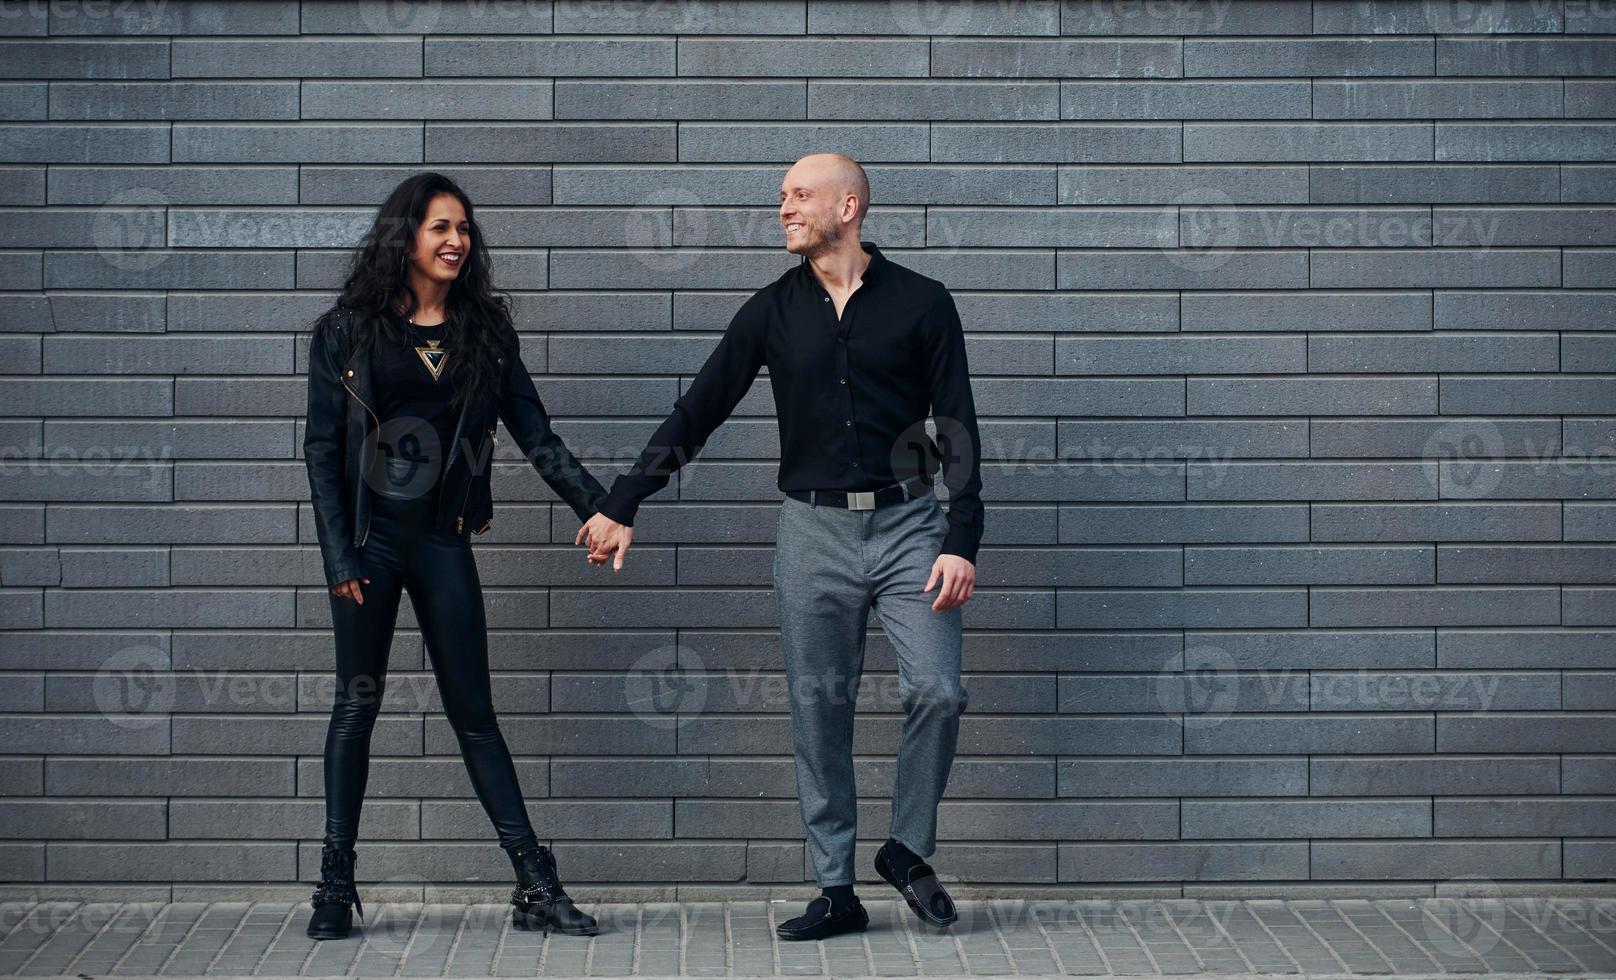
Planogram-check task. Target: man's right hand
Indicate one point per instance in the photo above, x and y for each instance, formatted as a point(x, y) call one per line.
point(607, 539)
point(350, 590)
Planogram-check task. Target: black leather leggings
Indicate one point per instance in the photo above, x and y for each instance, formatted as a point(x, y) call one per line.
point(404, 552)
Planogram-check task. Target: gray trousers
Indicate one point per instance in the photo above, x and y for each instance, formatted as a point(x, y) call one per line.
point(831, 565)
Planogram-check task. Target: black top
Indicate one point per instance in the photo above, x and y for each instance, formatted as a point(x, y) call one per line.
point(417, 422)
point(851, 395)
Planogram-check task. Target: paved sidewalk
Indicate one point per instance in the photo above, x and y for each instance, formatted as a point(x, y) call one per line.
point(1451, 937)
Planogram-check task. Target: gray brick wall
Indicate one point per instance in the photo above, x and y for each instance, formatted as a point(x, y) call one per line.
point(1291, 332)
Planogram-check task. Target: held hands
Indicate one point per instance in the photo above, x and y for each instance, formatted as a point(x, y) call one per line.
point(958, 579)
point(606, 538)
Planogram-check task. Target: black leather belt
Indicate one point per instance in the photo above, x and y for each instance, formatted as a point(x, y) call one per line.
point(864, 499)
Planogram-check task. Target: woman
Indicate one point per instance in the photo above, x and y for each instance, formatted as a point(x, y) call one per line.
point(408, 375)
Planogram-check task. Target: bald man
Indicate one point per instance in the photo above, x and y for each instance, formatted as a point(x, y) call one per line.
point(860, 351)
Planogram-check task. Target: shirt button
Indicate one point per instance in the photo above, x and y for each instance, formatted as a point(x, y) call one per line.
point(843, 380)
point(824, 299)
point(855, 464)
point(849, 421)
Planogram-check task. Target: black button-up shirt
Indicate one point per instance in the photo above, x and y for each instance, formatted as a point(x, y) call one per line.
point(851, 395)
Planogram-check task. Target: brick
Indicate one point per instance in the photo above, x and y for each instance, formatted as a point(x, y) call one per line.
point(1049, 227)
point(1589, 99)
point(443, 99)
point(1435, 99)
point(1447, 183)
point(1524, 56)
point(175, 185)
point(1356, 734)
point(515, 185)
point(697, 17)
point(315, 57)
point(1312, 56)
point(1521, 310)
point(678, 99)
point(1431, 775)
point(1306, 818)
point(378, 17)
point(1443, 268)
point(250, 17)
point(1187, 861)
point(1011, 142)
point(1305, 310)
point(1245, 17)
point(910, 17)
point(1187, 269)
point(996, 100)
point(303, 143)
point(1431, 353)
point(1590, 183)
point(1185, 100)
point(1438, 606)
point(1446, 521)
point(784, 143)
point(99, 59)
point(1512, 141)
point(1054, 58)
point(1435, 859)
point(1520, 396)
point(557, 142)
point(1421, 17)
point(1182, 185)
point(820, 57)
point(1442, 691)
point(59, 143)
point(1281, 142)
point(174, 100)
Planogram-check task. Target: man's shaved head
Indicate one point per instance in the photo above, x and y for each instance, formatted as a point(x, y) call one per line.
point(823, 200)
point(836, 174)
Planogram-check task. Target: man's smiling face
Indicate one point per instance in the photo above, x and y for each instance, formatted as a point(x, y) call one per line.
point(811, 199)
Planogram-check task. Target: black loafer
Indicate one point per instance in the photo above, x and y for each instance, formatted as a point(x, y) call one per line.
point(820, 922)
point(921, 890)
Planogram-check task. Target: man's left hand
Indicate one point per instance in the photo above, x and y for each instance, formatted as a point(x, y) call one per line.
point(958, 578)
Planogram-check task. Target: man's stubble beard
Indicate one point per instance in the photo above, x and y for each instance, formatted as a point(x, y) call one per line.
point(826, 237)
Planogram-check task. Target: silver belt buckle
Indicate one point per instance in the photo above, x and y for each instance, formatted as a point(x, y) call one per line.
point(861, 500)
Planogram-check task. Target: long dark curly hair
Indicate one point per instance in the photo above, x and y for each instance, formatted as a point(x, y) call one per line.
point(479, 326)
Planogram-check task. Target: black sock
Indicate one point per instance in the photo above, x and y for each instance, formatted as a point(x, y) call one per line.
point(901, 858)
point(841, 896)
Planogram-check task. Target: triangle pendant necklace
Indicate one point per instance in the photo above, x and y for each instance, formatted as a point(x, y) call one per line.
point(433, 358)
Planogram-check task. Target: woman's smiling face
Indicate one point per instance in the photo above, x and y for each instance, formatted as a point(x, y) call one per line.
point(444, 239)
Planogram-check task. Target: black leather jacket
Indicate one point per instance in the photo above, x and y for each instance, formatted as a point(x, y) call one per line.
point(338, 453)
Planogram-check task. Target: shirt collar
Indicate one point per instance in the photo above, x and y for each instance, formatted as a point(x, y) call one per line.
point(872, 272)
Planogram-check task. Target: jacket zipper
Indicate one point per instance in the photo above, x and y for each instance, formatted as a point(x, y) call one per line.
point(493, 439)
point(460, 519)
point(366, 536)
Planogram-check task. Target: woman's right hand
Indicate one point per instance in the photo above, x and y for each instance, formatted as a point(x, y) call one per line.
point(350, 590)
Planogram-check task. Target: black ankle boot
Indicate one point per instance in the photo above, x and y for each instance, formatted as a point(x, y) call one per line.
point(333, 896)
point(539, 899)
